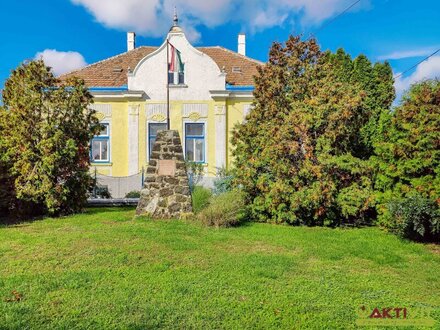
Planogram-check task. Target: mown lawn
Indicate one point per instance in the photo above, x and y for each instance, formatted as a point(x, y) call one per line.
point(104, 269)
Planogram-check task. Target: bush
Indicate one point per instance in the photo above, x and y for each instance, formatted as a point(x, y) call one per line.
point(133, 194)
point(224, 181)
point(225, 210)
point(200, 198)
point(416, 218)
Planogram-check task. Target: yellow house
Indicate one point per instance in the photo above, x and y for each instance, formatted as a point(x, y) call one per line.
point(202, 91)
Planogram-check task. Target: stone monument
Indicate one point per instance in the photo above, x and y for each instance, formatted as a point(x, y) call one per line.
point(166, 192)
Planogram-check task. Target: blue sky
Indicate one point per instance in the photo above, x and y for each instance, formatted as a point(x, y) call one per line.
point(72, 33)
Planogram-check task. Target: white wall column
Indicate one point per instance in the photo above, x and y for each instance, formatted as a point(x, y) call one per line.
point(220, 136)
point(133, 139)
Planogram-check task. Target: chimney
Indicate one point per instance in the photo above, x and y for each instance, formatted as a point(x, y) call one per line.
point(242, 44)
point(131, 40)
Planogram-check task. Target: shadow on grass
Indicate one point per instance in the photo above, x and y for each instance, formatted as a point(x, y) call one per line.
point(13, 220)
point(98, 210)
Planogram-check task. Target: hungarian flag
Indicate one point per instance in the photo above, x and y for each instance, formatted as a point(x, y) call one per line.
point(175, 63)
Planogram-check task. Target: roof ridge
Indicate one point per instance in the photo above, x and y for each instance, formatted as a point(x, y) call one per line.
point(104, 60)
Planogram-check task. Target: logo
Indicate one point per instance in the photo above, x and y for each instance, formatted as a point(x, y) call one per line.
point(395, 316)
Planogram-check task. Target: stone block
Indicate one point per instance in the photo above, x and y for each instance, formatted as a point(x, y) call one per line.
point(168, 195)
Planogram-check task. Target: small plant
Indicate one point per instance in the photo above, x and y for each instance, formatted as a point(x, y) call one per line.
point(223, 181)
point(133, 194)
point(224, 210)
point(200, 198)
point(415, 218)
point(195, 173)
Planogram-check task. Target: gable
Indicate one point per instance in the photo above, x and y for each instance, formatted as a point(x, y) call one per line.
point(112, 72)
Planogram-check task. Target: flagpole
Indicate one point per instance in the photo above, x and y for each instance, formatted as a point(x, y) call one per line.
point(168, 87)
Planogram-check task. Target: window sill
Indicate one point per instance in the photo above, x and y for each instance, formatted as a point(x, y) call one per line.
point(177, 86)
point(101, 164)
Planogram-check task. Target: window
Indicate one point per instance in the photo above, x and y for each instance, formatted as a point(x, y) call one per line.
point(153, 128)
point(176, 78)
point(195, 142)
point(101, 145)
point(181, 78)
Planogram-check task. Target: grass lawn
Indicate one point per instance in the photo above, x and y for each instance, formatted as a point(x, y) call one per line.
point(103, 269)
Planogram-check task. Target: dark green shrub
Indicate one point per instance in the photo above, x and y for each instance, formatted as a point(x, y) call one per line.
point(133, 194)
point(415, 217)
point(200, 198)
point(224, 181)
point(225, 210)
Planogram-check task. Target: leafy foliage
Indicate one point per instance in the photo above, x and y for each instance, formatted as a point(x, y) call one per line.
point(416, 218)
point(302, 156)
point(224, 210)
point(46, 128)
point(133, 194)
point(224, 181)
point(408, 155)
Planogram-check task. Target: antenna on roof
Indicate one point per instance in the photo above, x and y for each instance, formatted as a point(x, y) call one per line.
point(176, 19)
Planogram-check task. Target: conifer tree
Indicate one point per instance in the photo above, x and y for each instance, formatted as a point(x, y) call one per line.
point(46, 127)
point(409, 156)
point(301, 156)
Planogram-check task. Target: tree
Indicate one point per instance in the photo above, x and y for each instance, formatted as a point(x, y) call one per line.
point(409, 157)
point(299, 156)
point(46, 127)
point(376, 83)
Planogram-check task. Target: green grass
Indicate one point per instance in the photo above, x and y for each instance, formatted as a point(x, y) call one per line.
point(104, 269)
point(200, 198)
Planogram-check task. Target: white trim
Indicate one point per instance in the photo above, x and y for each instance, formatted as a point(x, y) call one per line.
point(112, 96)
point(220, 136)
point(133, 138)
point(200, 109)
point(105, 109)
point(247, 108)
point(156, 109)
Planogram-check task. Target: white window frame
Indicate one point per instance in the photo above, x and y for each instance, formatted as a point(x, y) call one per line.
point(205, 134)
point(102, 138)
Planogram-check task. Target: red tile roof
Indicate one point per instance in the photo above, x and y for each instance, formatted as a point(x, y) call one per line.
point(112, 72)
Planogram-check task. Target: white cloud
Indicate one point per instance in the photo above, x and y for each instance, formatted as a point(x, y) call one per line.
point(407, 54)
point(61, 62)
point(425, 70)
point(153, 17)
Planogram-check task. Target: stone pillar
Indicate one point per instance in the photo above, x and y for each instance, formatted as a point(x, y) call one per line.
point(220, 136)
point(133, 139)
point(166, 192)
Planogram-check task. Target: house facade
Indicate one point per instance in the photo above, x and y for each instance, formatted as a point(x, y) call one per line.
point(201, 91)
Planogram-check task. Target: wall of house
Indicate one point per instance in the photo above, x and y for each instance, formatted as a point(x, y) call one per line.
point(123, 139)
